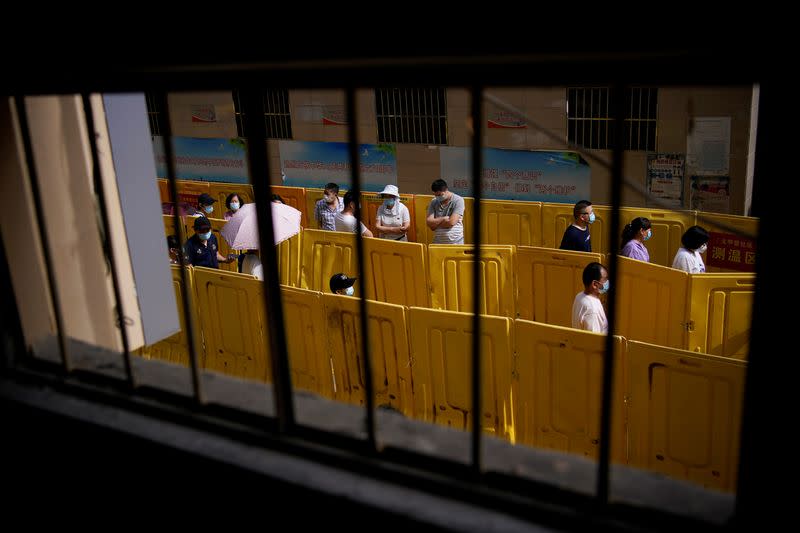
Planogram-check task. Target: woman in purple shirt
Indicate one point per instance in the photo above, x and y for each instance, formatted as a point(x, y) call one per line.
point(633, 237)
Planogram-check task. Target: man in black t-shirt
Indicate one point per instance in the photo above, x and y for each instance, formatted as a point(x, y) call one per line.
point(202, 248)
point(577, 236)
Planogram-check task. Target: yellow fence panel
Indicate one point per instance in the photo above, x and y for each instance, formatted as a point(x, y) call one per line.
point(388, 347)
point(290, 254)
point(188, 191)
point(169, 228)
point(651, 303)
point(558, 385)
point(441, 348)
point(163, 190)
point(547, 282)
point(511, 222)
point(231, 309)
point(720, 312)
point(396, 272)
point(425, 235)
point(370, 202)
point(326, 253)
point(684, 414)
point(224, 249)
point(668, 228)
point(738, 225)
point(175, 349)
point(451, 278)
point(306, 340)
point(220, 191)
point(295, 197)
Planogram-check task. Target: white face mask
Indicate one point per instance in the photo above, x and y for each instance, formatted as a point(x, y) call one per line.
point(234, 206)
point(350, 291)
point(702, 249)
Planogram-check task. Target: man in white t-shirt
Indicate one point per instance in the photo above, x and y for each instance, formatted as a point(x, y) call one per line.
point(346, 221)
point(587, 309)
point(445, 215)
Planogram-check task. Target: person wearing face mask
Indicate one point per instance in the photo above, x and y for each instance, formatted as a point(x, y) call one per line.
point(393, 219)
point(633, 237)
point(325, 210)
point(205, 205)
point(233, 202)
point(689, 258)
point(587, 309)
point(577, 237)
point(445, 215)
point(341, 284)
point(202, 249)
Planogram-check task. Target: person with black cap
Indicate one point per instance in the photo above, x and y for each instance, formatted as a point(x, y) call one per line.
point(202, 248)
point(341, 284)
point(205, 205)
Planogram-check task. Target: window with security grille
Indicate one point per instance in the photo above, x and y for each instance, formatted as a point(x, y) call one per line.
point(416, 116)
point(154, 113)
point(590, 122)
point(277, 116)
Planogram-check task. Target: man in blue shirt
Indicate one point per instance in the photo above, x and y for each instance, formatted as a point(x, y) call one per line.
point(202, 248)
point(577, 236)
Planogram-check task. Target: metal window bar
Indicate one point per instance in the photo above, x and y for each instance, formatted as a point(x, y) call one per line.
point(55, 300)
point(262, 190)
point(477, 183)
point(197, 386)
point(109, 252)
point(352, 134)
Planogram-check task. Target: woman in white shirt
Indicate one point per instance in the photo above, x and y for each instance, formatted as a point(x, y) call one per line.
point(689, 258)
point(392, 220)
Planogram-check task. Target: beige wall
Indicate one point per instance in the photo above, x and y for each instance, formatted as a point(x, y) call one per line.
point(418, 164)
point(180, 112)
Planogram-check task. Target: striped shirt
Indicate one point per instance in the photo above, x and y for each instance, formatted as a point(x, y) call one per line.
point(454, 235)
point(326, 219)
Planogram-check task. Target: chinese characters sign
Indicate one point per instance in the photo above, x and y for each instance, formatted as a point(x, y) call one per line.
point(665, 179)
point(519, 174)
point(204, 159)
point(731, 251)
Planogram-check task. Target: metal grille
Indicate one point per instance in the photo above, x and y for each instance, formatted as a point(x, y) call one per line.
point(416, 116)
point(154, 114)
point(277, 116)
point(590, 124)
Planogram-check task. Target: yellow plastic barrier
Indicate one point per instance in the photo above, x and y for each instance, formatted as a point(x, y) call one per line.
point(451, 278)
point(547, 282)
point(231, 309)
point(557, 386)
point(307, 341)
point(739, 225)
point(684, 414)
point(326, 253)
point(668, 228)
point(188, 191)
point(175, 349)
point(295, 197)
point(651, 303)
point(389, 353)
point(424, 234)
point(224, 249)
point(220, 191)
point(163, 190)
point(370, 202)
point(511, 222)
point(441, 350)
point(290, 252)
point(169, 227)
point(720, 311)
point(396, 272)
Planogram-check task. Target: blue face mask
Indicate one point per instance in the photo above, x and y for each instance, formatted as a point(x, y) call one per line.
point(649, 234)
point(350, 291)
point(204, 236)
point(389, 202)
point(234, 206)
point(604, 288)
point(209, 209)
point(591, 218)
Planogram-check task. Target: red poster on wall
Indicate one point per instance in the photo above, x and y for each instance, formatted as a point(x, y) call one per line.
point(730, 251)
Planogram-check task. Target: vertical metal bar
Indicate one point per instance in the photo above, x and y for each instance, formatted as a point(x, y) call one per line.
point(583, 116)
point(420, 118)
point(477, 182)
point(101, 200)
point(407, 113)
point(617, 99)
point(197, 385)
point(630, 128)
point(352, 134)
point(436, 130)
point(395, 115)
point(591, 116)
point(639, 123)
point(24, 128)
point(262, 191)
